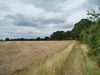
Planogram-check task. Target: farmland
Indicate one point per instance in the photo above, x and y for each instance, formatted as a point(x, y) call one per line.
point(46, 58)
point(16, 55)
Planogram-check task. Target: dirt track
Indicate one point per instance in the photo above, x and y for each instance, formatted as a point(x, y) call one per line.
point(75, 61)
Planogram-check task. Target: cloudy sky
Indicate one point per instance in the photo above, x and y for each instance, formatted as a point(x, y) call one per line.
point(40, 18)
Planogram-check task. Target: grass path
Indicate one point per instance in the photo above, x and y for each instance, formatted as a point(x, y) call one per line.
point(73, 65)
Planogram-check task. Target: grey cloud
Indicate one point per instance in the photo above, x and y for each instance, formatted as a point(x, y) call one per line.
point(21, 32)
point(16, 16)
point(64, 25)
point(48, 5)
point(91, 4)
point(30, 32)
point(41, 22)
point(2, 21)
point(54, 20)
point(96, 2)
point(67, 26)
point(21, 20)
point(4, 8)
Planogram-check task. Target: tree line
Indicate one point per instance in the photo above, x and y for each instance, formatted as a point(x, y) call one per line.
point(24, 39)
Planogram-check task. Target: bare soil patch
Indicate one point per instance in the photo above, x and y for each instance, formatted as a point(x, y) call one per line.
point(18, 54)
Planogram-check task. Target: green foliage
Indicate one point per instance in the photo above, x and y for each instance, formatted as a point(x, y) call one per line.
point(88, 32)
point(7, 39)
point(61, 35)
point(78, 27)
point(91, 36)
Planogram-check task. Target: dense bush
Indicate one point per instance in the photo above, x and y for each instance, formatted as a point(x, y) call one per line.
point(93, 35)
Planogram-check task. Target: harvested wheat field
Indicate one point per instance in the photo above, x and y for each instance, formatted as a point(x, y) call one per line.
point(15, 55)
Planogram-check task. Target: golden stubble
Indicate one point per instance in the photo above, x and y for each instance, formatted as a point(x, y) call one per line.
point(16, 55)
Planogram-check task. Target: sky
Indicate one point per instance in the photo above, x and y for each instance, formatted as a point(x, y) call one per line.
point(40, 18)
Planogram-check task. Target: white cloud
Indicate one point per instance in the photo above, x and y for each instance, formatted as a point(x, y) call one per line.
point(33, 18)
point(72, 5)
point(77, 16)
point(18, 7)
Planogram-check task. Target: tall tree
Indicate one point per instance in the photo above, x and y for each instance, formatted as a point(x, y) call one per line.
point(58, 35)
point(7, 39)
point(78, 27)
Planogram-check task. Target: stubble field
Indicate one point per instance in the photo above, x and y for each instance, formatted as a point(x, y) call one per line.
point(16, 55)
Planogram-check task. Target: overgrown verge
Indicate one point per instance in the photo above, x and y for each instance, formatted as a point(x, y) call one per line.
point(91, 37)
point(90, 66)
